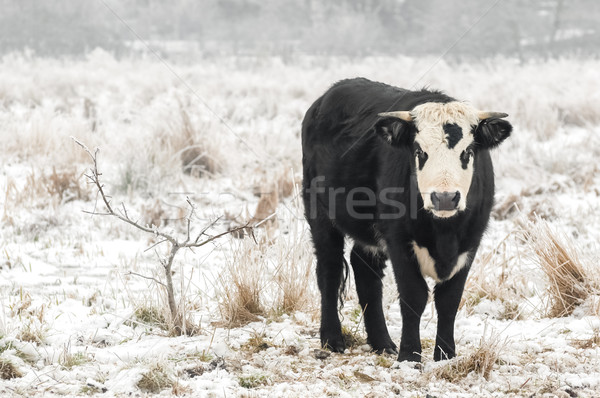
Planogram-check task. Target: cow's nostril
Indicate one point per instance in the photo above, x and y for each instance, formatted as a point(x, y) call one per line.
point(435, 200)
point(456, 199)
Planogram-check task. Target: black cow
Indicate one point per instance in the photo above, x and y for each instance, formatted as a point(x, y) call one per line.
point(408, 176)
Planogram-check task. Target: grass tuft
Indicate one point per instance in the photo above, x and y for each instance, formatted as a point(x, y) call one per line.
point(352, 337)
point(69, 361)
point(481, 361)
point(8, 370)
point(593, 341)
point(151, 316)
point(241, 285)
point(253, 381)
point(257, 343)
point(155, 380)
point(570, 283)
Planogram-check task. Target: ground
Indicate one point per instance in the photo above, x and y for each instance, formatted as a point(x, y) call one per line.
point(83, 308)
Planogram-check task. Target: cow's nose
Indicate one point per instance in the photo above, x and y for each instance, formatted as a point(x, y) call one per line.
point(445, 200)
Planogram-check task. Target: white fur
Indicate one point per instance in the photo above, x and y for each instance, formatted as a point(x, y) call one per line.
point(443, 170)
point(427, 263)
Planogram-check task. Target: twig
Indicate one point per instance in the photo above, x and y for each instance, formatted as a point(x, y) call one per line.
point(146, 277)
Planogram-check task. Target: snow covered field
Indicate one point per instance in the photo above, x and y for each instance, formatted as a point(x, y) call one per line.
point(83, 311)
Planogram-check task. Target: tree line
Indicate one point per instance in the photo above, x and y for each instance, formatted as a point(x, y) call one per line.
point(459, 29)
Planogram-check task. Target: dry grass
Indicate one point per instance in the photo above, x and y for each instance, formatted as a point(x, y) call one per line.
point(70, 360)
point(155, 380)
point(151, 317)
point(489, 280)
point(33, 333)
point(257, 343)
point(352, 337)
point(67, 185)
point(480, 361)
point(198, 153)
point(570, 283)
point(8, 370)
point(279, 269)
point(593, 341)
point(241, 285)
point(294, 273)
point(43, 187)
point(265, 215)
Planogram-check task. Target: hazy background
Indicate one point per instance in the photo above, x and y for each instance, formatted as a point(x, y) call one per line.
point(189, 29)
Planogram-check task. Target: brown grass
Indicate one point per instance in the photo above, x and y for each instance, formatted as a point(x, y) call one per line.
point(294, 273)
point(265, 215)
point(42, 187)
point(593, 341)
point(198, 156)
point(241, 285)
point(485, 283)
point(66, 185)
point(481, 361)
point(569, 281)
point(8, 370)
point(155, 380)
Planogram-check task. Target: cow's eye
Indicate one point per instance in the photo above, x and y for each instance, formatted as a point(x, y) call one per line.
point(466, 156)
point(469, 154)
point(421, 157)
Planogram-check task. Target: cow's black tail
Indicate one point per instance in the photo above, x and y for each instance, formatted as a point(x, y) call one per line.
point(342, 292)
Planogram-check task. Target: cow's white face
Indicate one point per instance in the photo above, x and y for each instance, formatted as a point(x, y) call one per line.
point(444, 139)
point(444, 155)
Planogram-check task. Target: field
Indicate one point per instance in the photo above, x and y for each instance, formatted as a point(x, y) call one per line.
point(84, 310)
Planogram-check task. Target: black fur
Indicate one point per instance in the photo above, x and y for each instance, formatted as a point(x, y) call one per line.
point(343, 150)
point(453, 134)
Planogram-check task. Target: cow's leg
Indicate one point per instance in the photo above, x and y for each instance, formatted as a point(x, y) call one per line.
point(368, 272)
point(413, 292)
point(447, 298)
point(329, 250)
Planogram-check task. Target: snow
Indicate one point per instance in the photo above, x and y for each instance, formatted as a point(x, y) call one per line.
point(72, 279)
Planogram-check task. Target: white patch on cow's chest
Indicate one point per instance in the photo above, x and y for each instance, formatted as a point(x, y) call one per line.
point(427, 263)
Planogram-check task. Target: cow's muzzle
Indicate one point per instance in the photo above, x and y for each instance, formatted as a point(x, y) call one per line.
point(445, 201)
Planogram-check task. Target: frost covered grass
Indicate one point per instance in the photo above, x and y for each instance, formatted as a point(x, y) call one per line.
point(81, 308)
point(570, 281)
point(481, 361)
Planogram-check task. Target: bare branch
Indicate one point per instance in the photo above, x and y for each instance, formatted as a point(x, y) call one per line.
point(146, 277)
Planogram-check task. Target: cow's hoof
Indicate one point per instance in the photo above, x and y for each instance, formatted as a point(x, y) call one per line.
point(409, 357)
point(335, 344)
point(389, 348)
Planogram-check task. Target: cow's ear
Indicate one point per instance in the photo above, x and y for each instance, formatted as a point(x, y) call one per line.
point(394, 131)
point(491, 132)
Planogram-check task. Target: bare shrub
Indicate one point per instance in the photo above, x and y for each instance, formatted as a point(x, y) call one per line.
point(480, 361)
point(177, 313)
point(570, 283)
